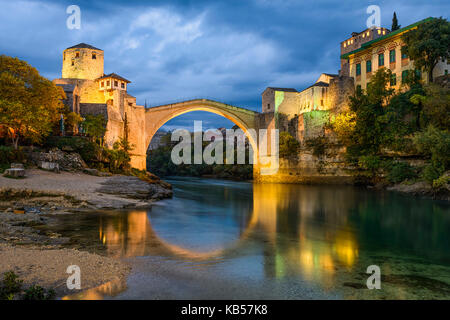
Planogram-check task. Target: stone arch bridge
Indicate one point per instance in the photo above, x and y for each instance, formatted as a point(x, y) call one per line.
point(144, 123)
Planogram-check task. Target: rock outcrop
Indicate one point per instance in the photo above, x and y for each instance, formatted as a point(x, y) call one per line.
point(134, 188)
point(66, 161)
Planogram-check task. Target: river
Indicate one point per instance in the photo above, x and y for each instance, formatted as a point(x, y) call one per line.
point(237, 240)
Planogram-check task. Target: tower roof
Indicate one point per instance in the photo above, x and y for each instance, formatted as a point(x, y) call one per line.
point(84, 46)
point(115, 76)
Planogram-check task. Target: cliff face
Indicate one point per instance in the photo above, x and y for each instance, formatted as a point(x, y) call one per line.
point(312, 168)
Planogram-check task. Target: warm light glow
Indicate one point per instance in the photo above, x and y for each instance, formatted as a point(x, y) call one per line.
point(346, 249)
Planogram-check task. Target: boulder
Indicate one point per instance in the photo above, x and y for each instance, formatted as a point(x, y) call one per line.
point(135, 188)
point(17, 166)
point(14, 173)
point(67, 161)
point(50, 166)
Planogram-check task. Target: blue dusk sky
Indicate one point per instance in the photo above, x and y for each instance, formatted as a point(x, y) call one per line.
point(229, 51)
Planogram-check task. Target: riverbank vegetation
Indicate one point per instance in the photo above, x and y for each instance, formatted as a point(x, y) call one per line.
point(384, 129)
point(11, 289)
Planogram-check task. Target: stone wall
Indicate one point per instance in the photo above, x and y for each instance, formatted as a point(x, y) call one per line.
point(94, 109)
point(340, 90)
point(78, 63)
point(309, 169)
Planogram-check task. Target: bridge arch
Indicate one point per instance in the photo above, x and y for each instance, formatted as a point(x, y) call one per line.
point(156, 117)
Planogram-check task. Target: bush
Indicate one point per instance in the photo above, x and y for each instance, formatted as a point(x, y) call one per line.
point(430, 173)
point(399, 172)
point(10, 286)
point(318, 145)
point(370, 163)
point(9, 155)
point(441, 181)
point(288, 145)
point(36, 292)
point(434, 143)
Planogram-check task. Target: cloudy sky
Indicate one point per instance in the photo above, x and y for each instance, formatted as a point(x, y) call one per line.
point(228, 51)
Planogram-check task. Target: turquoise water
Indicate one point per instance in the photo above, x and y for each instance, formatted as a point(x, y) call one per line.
point(224, 239)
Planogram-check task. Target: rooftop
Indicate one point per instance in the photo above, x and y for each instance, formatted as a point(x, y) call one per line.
point(282, 89)
point(115, 76)
point(387, 36)
point(84, 46)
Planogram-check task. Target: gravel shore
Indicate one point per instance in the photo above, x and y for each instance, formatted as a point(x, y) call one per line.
point(39, 257)
point(47, 267)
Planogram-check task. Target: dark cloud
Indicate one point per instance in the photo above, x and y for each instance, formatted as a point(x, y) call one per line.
point(225, 50)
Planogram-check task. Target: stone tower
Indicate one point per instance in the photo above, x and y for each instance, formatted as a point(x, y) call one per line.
point(82, 62)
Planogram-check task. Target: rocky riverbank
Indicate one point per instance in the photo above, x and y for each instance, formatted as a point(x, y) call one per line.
point(39, 257)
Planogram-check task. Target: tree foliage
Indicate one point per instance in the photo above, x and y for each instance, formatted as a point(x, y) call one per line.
point(95, 127)
point(29, 103)
point(288, 145)
point(395, 25)
point(427, 44)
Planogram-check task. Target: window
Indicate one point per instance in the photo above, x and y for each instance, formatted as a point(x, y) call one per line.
point(94, 55)
point(393, 80)
point(404, 75)
point(77, 55)
point(381, 60)
point(107, 83)
point(73, 63)
point(392, 56)
point(358, 69)
point(268, 106)
point(418, 74)
point(368, 66)
point(404, 55)
point(446, 72)
point(321, 102)
point(103, 84)
point(123, 85)
point(116, 84)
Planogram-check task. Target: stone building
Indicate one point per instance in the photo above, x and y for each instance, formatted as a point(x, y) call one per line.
point(90, 91)
point(363, 58)
point(304, 113)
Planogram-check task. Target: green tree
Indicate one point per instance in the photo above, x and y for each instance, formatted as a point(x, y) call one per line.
point(395, 25)
point(367, 134)
point(427, 44)
point(72, 120)
point(95, 127)
point(435, 144)
point(29, 103)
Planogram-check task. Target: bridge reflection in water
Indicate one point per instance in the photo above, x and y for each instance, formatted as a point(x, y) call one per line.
point(292, 244)
point(276, 234)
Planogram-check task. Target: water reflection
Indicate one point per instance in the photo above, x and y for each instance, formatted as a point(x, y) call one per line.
point(325, 235)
